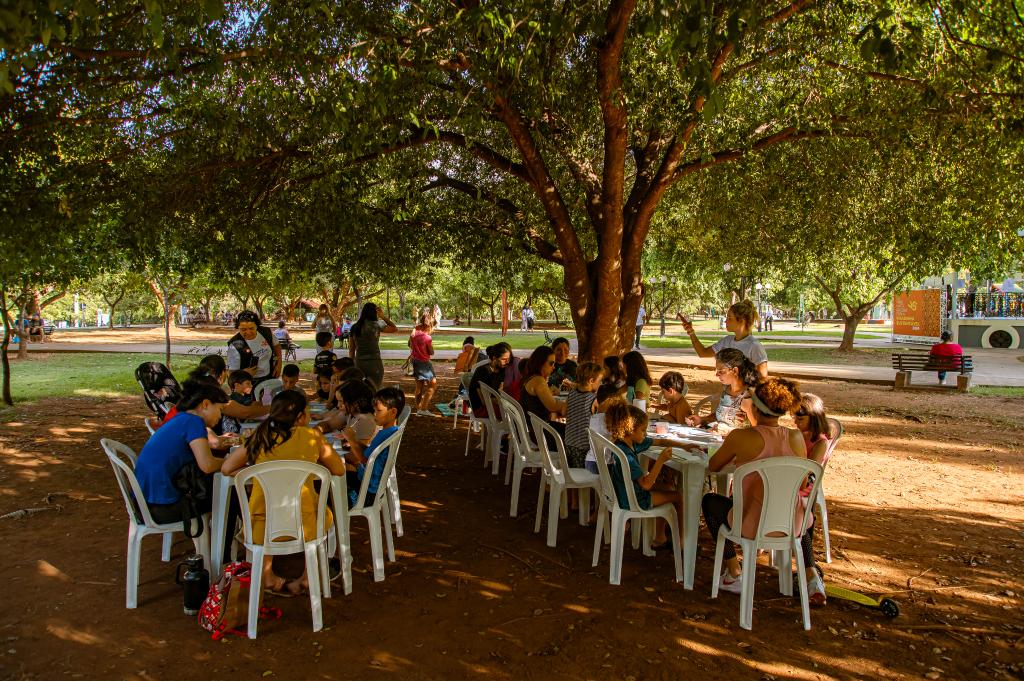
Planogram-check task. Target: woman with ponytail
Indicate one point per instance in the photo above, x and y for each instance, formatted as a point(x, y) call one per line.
point(737, 374)
point(285, 436)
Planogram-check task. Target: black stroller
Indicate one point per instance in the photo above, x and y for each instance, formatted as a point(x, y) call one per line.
point(159, 387)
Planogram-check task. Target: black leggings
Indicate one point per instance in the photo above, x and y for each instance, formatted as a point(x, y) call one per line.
point(174, 513)
point(716, 513)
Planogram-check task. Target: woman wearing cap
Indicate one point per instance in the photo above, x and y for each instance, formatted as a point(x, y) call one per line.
point(254, 349)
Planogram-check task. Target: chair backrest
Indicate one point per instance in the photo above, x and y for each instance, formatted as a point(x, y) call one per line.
point(602, 446)
point(273, 385)
point(782, 478)
point(835, 432)
point(491, 400)
point(390, 445)
point(555, 464)
point(403, 418)
point(131, 491)
point(282, 483)
point(514, 415)
point(703, 407)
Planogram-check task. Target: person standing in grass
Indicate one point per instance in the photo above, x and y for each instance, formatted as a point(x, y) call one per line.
point(364, 342)
point(421, 345)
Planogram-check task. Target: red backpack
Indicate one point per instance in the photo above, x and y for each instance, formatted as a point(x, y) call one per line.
point(226, 608)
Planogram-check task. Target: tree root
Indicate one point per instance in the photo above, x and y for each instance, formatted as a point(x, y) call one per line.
point(23, 513)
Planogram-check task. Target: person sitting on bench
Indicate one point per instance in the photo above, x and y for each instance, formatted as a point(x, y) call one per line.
point(946, 355)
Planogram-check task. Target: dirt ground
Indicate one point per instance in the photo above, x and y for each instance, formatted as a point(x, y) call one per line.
point(924, 493)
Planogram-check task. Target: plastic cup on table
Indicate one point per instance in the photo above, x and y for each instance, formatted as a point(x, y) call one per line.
point(661, 428)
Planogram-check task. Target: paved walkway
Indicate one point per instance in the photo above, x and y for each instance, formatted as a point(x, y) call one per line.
point(992, 367)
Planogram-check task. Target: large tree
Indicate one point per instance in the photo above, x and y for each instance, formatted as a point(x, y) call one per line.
point(558, 127)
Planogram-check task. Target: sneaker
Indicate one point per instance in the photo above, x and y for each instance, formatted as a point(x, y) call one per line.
point(727, 582)
point(333, 569)
point(816, 590)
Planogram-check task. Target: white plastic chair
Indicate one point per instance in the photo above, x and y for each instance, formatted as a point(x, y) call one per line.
point(703, 405)
point(140, 521)
point(271, 385)
point(523, 452)
point(619, 516)
point(476, 424)
point(782, 477)
point(836, 431)
point(282, 483)
point(149, 426)
point(497, 426)
point(378, 513)
point(393, 498)
point(558, 477)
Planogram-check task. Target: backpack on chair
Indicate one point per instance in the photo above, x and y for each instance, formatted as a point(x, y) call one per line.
point(226, 607)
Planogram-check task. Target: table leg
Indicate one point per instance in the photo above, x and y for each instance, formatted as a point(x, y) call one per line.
point(339, 495)
point(222, 486)
point(691, 485)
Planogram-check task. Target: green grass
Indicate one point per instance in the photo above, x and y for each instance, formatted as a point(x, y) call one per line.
point(997, 391)
point(94, 374)
point(84, 374)
point(878, 357)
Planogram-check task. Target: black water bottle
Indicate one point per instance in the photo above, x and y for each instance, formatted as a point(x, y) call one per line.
point(195, 583)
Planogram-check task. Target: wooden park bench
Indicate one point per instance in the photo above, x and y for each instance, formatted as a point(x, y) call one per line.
point(906, 363)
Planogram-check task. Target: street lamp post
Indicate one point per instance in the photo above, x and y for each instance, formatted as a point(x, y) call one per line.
point(663, 279)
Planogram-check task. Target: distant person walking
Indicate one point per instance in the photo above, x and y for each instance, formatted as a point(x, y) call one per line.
point(769, 316)
point(641, 319)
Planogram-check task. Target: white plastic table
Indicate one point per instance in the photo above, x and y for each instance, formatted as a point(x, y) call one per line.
point(692, 469)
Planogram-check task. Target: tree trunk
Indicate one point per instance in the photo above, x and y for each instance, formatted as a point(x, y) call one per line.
point(4, 359)
point(554, 312)
point(112, 304)
point(166, 297)
point(401, 304)
point(850, 324)
point(257, 302)
point(23, 303)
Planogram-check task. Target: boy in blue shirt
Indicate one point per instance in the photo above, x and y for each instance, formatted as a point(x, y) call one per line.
point(240, 383)
point(388, 403)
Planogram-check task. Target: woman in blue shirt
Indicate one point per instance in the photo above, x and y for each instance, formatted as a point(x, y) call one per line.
point(181, 440)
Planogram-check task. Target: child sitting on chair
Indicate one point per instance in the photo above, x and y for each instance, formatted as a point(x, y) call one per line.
point(579, 409)
point(323, 383)
point(290, 377)
point(240, 383)
point(627, 428)
point(285, 436)
point(673, 392)
point(388, 403)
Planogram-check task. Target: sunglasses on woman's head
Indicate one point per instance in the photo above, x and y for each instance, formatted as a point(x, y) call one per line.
point(802, 412)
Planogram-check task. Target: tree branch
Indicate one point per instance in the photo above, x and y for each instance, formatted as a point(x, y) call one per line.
point(541, 246)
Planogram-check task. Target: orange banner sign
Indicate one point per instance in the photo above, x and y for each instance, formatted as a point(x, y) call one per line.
point(917, 313)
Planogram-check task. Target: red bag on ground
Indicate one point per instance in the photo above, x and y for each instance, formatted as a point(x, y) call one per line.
point(226, 608)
